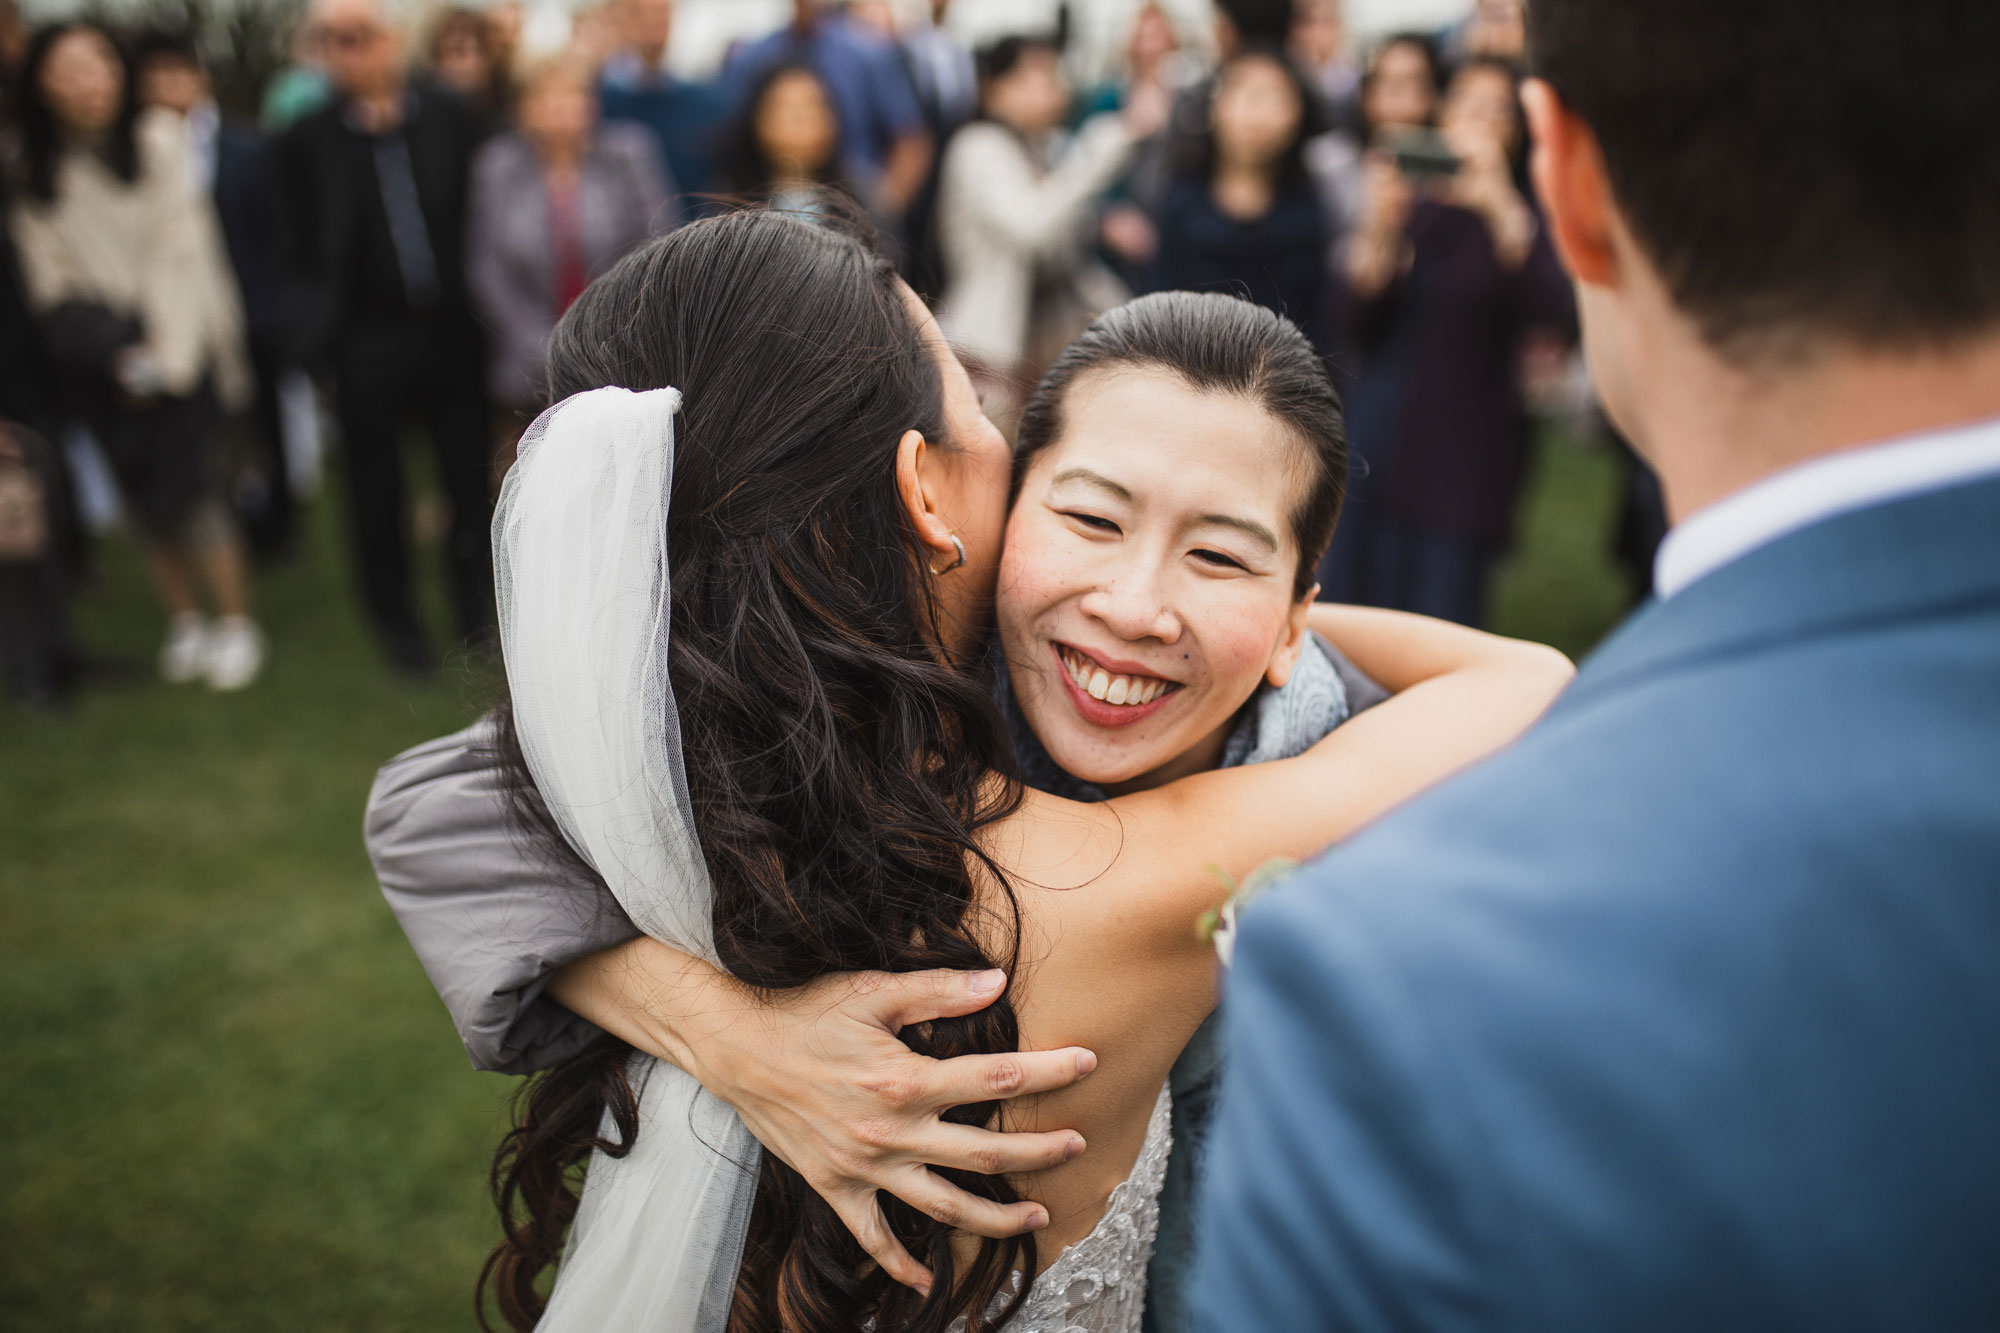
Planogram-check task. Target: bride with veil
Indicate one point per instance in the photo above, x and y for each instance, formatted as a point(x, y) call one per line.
point(746, 566)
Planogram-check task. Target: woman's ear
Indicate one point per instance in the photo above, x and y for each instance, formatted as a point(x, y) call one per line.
point(1285, 657)
point(918, 487)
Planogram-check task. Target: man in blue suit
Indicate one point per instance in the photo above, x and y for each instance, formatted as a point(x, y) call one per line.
point(1684, 1013)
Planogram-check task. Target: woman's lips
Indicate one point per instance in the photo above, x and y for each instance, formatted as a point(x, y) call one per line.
point(1072, 664)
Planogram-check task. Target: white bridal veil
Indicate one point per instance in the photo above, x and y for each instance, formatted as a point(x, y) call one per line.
point(580, 557)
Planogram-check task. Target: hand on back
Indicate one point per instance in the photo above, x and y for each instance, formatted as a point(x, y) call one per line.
point(819, 1076)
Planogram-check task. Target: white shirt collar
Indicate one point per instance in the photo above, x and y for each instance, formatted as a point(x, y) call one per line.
point(1819, 490)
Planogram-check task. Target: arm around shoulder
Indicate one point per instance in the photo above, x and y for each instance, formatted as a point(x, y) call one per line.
point(489, 918)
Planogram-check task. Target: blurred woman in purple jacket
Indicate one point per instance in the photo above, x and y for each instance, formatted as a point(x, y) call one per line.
point(1446, 275)
point(554, 203)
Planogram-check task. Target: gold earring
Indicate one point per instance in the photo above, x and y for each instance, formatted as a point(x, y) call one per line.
point(956, 563)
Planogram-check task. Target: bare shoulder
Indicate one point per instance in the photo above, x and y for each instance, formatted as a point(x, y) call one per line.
point(1097, 967)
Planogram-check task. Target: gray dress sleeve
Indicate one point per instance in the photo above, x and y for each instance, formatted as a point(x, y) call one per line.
point(490, 916)
point(1362, 691)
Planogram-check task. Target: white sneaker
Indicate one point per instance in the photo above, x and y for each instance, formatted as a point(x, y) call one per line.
point(235, 653)
point(184, 656)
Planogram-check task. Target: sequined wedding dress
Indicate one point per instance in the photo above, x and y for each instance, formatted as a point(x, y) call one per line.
point(1098, 1285)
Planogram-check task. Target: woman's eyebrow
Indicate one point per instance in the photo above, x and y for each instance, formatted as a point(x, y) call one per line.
point(1097, 479)
point(1257, 531)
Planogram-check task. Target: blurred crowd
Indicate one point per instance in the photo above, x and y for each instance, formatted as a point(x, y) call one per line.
point(390, 235)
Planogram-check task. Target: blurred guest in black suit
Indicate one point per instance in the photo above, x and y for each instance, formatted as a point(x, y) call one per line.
point(234, 165)
point(375, 188)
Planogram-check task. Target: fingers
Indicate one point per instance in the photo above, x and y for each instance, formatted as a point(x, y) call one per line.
point(901, 998)
point(862, 1214)
point(991, 1153)
point(932, 1194)
point(985, 1078)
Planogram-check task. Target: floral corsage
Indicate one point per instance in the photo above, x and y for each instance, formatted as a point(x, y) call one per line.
point(1218, 925)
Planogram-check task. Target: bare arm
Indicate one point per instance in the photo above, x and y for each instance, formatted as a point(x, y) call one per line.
point(1460, 696)
point(818, 1075)
point(1399, 650)
point(533, 956)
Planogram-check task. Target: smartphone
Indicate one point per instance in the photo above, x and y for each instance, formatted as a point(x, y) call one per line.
point(1421, 154)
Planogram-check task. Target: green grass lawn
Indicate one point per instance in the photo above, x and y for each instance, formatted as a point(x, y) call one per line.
point(230, 1098)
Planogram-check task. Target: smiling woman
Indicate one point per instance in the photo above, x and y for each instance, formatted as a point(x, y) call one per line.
point(1179, 471)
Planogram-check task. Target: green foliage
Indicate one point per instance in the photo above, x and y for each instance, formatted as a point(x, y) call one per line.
point(1560, 586)
point(1236, 895)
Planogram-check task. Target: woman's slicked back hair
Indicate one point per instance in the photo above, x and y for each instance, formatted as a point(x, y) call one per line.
point(1217, 344)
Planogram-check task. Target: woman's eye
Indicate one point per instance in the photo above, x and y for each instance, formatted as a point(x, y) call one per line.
point(1094, 522)
point(1218, 559)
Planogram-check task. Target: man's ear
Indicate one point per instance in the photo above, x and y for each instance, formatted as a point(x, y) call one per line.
point(917, 488)
point(1285, 657)
point(1568, 169)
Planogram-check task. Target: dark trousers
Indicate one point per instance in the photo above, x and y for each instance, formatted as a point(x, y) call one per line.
point(35, 645)
point(1379, 559)
point(384, 374)
point(36, 651)
point(164, 457)
point(267, 509)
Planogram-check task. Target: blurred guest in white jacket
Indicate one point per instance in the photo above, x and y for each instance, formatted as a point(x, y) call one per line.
point(1017, 212)
point(123, 263)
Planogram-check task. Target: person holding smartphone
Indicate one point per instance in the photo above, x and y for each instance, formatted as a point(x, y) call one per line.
point(1447, 272)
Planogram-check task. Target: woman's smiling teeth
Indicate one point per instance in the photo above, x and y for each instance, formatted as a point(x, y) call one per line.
point(1100, 684)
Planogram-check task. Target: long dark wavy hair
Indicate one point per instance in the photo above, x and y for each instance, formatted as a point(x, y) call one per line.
point(840, 767)
point(1216, 343)
point(41, 138)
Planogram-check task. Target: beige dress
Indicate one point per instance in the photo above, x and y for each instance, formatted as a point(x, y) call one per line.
point(151, 248)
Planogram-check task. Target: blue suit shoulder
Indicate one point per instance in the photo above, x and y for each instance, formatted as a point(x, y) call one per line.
point(1683, 1013)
